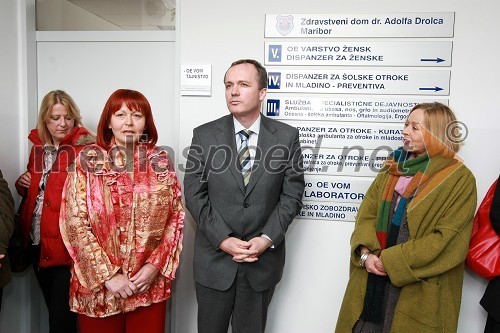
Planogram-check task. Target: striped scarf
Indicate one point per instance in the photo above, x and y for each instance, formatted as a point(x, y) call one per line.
point(398, 165)
point(388, 223)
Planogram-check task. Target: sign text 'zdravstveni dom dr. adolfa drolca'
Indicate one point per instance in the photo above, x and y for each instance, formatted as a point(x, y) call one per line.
point(360, 25)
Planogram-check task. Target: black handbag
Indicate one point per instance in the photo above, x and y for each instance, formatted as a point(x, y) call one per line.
point(19, 256)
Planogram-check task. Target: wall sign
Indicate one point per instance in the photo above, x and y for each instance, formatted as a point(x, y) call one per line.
point(339, 189)
point(335, 108)
point(342, 134)
point(329, 210)
point(349, 161)
point(360, 25)
point(196, 80)
point(359, 53)
point(380, 82)
point(348, 132)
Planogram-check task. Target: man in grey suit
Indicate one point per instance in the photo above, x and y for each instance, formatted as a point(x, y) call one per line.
point(243, 186)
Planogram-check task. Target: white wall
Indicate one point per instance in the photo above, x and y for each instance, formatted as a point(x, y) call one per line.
point(308, 298)
point(91, 66)
point(9, 90)
point(21, 299)
point(216, 33)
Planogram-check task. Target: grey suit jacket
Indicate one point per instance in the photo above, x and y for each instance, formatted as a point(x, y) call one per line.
point(221, 206)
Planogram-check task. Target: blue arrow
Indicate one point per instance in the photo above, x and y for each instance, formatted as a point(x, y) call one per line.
point(437, 60)
point(435, 89)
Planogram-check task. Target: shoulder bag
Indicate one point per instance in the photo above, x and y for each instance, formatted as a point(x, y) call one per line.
point(19, 256)
point(484, 247)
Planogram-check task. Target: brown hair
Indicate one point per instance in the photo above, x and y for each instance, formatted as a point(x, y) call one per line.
point(261, 71)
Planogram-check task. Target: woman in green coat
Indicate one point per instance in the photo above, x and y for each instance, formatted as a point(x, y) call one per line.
point(412, 233)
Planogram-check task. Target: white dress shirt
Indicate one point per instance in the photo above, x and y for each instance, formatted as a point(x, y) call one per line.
point(252, 144)
point(252, 140)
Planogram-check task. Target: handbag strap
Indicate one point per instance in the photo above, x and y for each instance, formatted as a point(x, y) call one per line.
point(21, 204)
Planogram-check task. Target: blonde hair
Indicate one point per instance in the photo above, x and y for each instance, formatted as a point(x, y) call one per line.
point(52, 98)
point(439, 122)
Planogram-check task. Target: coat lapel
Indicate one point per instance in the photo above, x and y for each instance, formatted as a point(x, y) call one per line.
point(265, 142)
point(226, 137)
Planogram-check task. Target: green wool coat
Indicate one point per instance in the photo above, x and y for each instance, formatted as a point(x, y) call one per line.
point(429, 267)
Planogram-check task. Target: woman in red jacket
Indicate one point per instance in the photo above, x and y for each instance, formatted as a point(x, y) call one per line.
point(57, 140)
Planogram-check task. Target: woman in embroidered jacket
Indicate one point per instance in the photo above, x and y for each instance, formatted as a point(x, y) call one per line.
point(412, 233)
point(57, 139)
point(122, 221)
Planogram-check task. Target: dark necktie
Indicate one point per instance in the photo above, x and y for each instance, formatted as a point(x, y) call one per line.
point(244, 155)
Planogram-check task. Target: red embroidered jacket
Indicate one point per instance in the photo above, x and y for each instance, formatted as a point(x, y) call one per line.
point(113, 223)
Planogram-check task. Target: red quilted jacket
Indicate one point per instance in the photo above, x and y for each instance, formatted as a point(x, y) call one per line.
point(53, 251)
